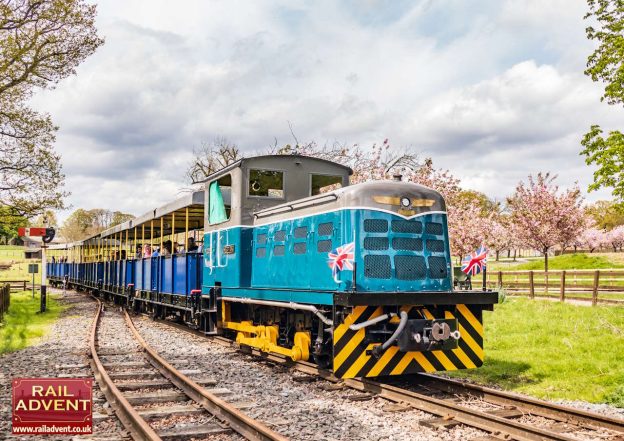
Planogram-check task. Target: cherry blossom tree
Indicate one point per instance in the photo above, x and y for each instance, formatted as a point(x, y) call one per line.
point(593, 239)
point(502, 236)
point(615, 238)
point(545, 216)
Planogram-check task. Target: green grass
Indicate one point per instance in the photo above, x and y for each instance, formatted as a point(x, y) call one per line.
point(554, 351)
point(23, 326)
point(19, 271)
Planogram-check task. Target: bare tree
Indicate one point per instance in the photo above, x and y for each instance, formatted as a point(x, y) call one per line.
point(211, 157)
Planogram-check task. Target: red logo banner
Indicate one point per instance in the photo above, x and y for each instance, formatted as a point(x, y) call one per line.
point(61, 406)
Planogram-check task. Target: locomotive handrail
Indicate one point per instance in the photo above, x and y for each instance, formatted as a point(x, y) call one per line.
point(306, 203)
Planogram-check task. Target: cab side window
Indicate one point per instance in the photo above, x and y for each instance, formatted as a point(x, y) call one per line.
point(324, 183)
point(266, 183)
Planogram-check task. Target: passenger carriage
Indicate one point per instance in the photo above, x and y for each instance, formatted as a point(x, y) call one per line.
point(298, 262)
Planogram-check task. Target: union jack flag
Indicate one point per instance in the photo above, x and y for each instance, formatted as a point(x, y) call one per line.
point(341, 258)
point(475, 262)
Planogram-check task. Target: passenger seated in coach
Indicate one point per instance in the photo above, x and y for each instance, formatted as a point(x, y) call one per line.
point(180, 248)
point(147, 250)
point(138, 252)
point(166, 251)
point(192, 246)
point(155, 253)
point(123, 254)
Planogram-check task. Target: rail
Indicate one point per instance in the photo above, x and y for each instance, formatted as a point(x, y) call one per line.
point(5, 299)
point(595, 285)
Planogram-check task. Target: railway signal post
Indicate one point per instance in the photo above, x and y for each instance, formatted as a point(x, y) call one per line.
point(46, 234)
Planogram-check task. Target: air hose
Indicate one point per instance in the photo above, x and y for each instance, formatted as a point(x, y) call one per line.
point(377, 350)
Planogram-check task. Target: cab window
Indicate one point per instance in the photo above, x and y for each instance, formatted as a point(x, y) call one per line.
point(266, 183)
point(219, 197)
point(325, 183)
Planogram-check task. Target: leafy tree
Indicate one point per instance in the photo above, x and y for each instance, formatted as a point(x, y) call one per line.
point(48, 218)
point(9, 223)
point(606, 64)
point(41, 43)
point(606, 214)
point(84, 223)
point(545, 217)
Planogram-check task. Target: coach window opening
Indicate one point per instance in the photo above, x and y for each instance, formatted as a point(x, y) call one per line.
point(320, 184)
point(266, 184)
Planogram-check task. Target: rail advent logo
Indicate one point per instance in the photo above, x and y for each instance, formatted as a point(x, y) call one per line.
point(52, 406)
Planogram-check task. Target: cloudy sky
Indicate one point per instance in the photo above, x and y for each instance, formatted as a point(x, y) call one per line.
point(492, 90)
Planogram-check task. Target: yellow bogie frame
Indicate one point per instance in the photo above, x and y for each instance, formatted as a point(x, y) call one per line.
point(264, 338)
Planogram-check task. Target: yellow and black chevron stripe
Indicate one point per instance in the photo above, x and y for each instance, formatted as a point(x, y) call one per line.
point(352, 356)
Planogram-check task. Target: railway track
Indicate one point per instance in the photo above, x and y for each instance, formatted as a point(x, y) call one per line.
point(150, 396)
point(503, 415)
point(509, 415)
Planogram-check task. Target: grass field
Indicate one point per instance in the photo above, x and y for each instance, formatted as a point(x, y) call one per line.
point(555, 351)
point(19, 267)
point(23, 326)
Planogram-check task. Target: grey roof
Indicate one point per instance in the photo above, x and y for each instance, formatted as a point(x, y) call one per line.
point(242, 161)
point(195, 198)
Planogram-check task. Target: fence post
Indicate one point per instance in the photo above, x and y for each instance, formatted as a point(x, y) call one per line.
point(500, 279)
point(595, 291)
point(531, 285)
point(562, 287)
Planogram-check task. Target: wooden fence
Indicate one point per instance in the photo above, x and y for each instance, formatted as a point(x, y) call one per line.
point(17, 285)
point(597, 286)
point(5, 299)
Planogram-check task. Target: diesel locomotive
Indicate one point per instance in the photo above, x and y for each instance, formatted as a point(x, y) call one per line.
point(295, 261)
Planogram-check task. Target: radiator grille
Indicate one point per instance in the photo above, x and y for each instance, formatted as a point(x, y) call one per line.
point(324, 246)
point(433, 228)
point(435, 246)
point(377, 267)
point(410, 267)
point(437, 267)
point(407, 244)
point(375, 226)
point(403, 226)
point(260, 252)
point(301, 232)
point(278, 250)
point(326, 229)
point(300, 248)
point(280, 236)
point(376, 243)
point(261, 239)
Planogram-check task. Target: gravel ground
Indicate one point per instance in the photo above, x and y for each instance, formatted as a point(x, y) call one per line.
point(63, 352)
point(300, 410)
point(116, 339)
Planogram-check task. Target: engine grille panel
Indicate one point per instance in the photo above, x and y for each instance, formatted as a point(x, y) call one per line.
point(407, 244)
point(377, 267)
point(376, 243)
point(437, 267)
point(404, 226)
point(375, 226)
point(410, 267)
point(435, 246)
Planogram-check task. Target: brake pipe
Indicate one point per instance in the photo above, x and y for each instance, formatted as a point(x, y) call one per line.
point(381, 318)
point(288, 305)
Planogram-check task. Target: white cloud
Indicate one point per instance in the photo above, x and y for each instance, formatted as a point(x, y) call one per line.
point(493, 91)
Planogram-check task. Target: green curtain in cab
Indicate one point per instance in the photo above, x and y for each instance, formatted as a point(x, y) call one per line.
point(217, 206)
